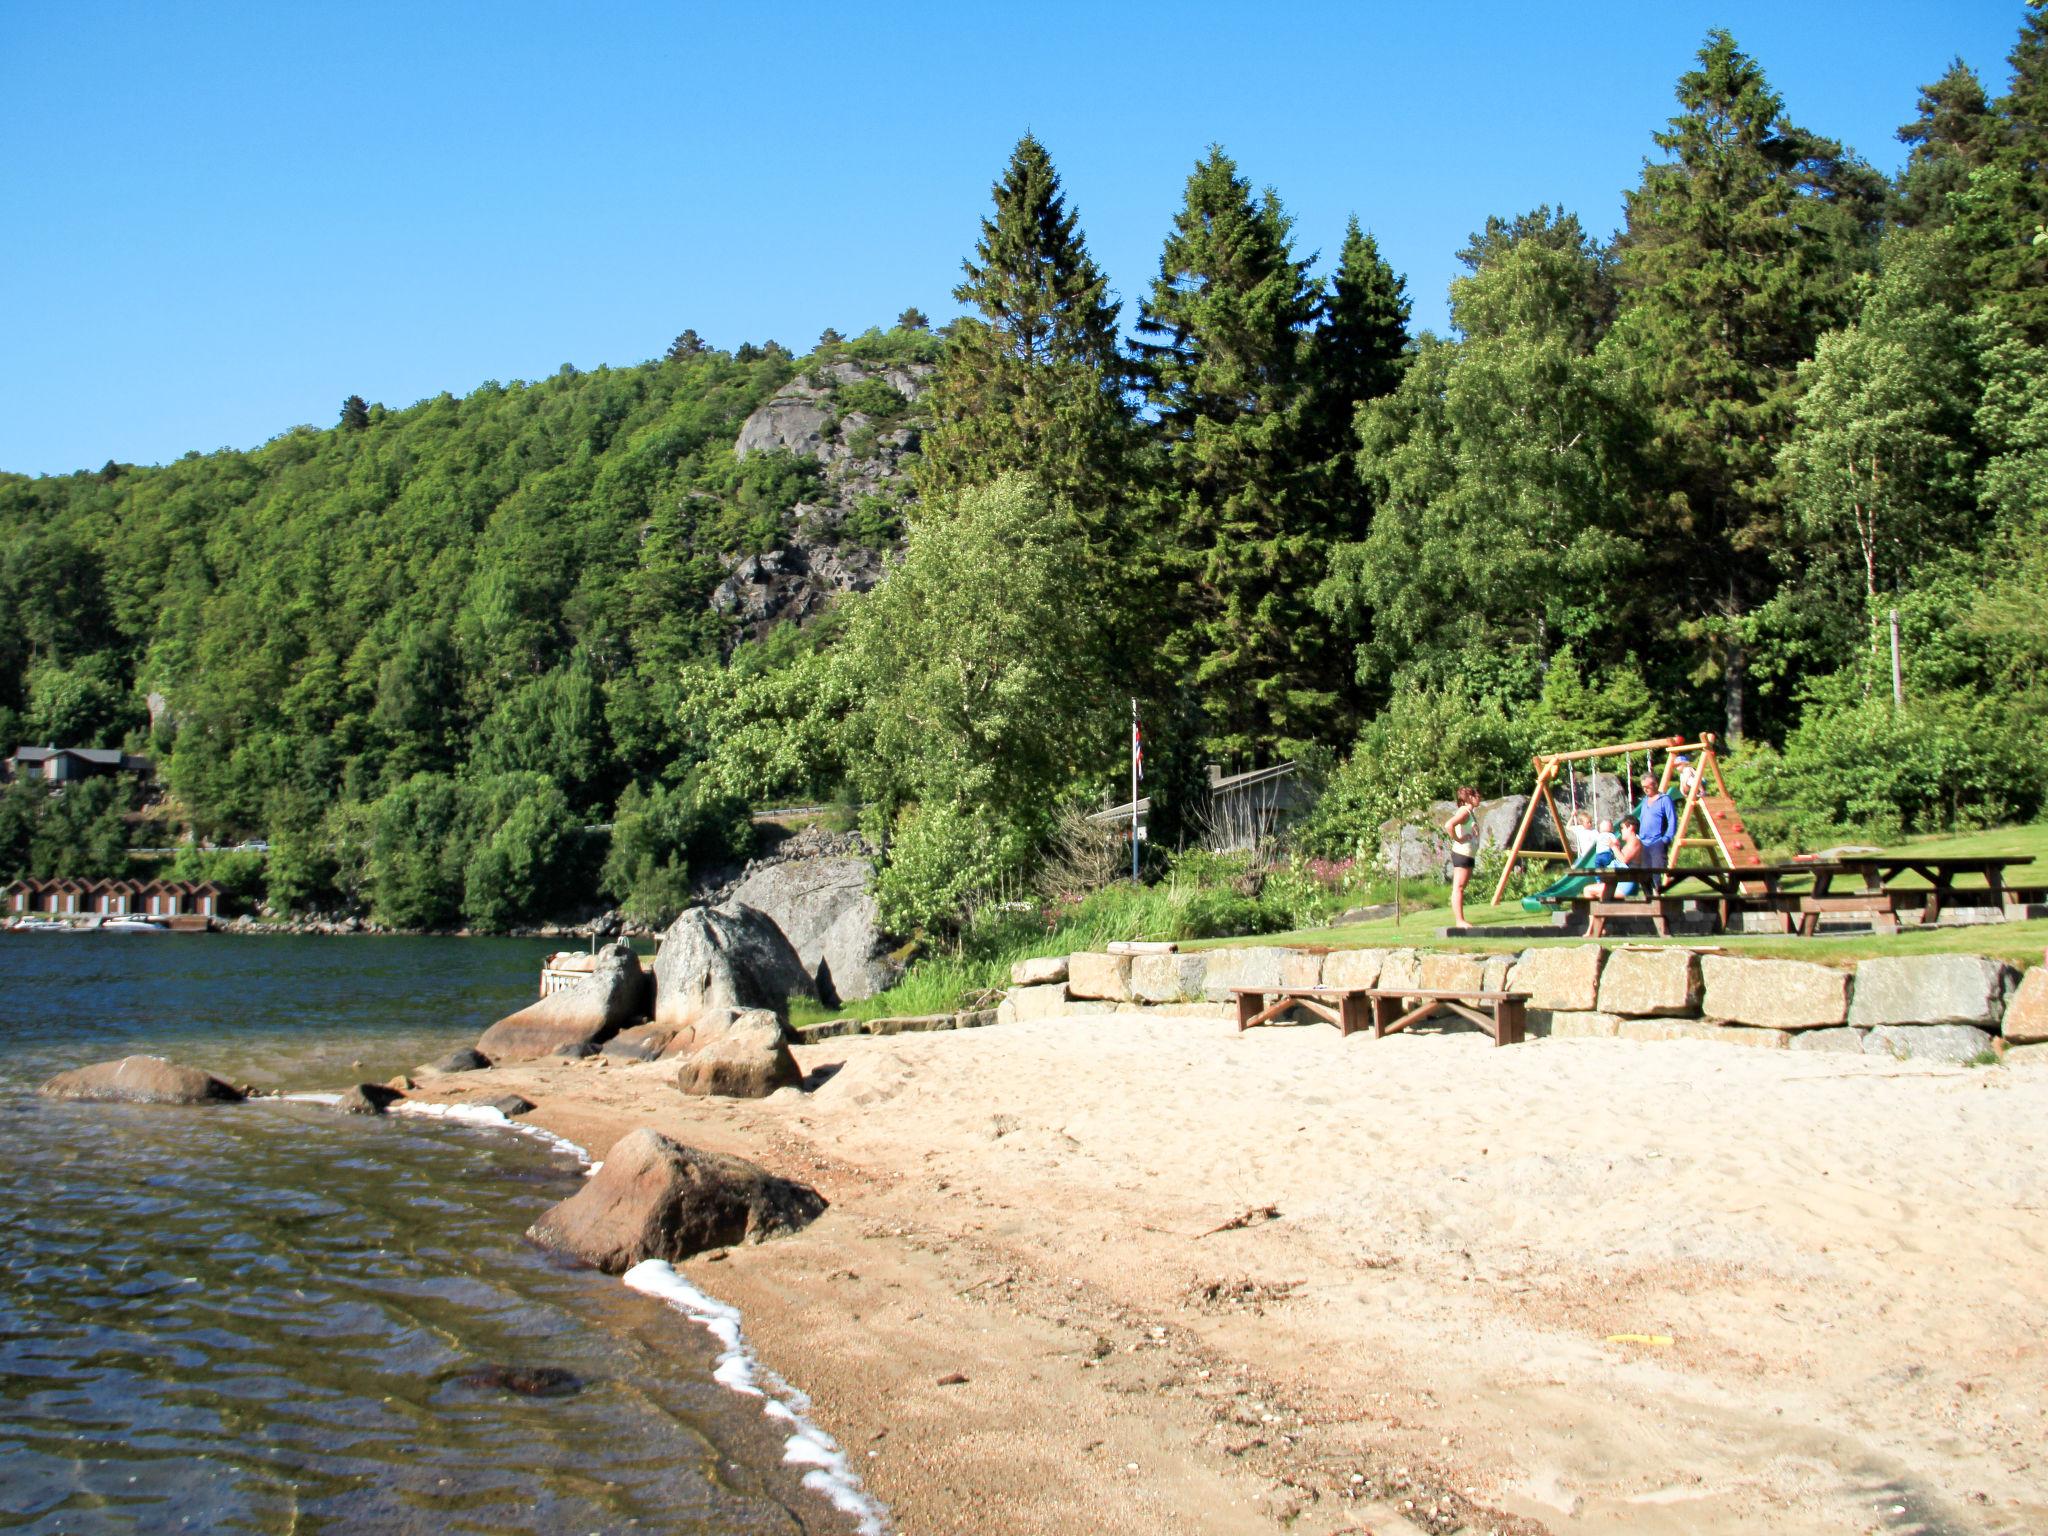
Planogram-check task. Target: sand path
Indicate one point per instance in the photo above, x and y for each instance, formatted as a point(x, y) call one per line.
point(1831, 1267)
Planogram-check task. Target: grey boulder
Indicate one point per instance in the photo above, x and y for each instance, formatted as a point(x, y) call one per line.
point(729, 957)
point(141, 1080)
point(1932, 989)
point(464, 1060)
point(595, 1008)
point(826, 909)
point(657, 1199)
point(368, 1099)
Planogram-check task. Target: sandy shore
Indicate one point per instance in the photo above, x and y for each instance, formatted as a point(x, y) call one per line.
point(1208, 1283)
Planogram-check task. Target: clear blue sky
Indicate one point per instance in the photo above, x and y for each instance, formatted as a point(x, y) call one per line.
point(219, 220)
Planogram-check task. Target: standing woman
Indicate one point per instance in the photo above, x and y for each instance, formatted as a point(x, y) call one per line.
point(1463, 831)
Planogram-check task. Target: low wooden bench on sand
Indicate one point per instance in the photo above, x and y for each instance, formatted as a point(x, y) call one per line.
point(1385, 1010)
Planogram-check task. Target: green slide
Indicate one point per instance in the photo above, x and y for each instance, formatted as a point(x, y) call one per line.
point(1562, 890)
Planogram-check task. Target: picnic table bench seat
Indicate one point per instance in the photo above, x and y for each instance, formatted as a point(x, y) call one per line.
point(1387, 1010)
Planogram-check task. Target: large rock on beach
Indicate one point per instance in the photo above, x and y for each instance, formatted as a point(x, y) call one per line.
point(2026, 1016)
point(1953, 1044)
point(464, 1060)
point(595, 1008)
point(1561, 978)
point(141, 1080)
point(1931, 989)
point(657, 1199)
point(826, 909)
point(642, 1042)
point(746, 1056)
point(1773, 994)
point(1650, 983)
point(727, 958)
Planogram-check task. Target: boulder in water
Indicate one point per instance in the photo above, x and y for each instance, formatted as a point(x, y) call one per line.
point(657, 1199)
point(142, 1080)
point(525, 1380)
point(729, 957)
point(368, 1099)
point(612, 996)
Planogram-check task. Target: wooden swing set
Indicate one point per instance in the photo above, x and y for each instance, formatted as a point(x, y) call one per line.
point(1724, 829)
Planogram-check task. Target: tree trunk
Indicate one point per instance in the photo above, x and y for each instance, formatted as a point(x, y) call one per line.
point(1735, 668)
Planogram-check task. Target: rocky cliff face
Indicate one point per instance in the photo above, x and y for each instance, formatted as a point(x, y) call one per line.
point(859, 423)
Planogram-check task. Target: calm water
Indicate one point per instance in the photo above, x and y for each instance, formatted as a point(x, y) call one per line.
point(259, 1318)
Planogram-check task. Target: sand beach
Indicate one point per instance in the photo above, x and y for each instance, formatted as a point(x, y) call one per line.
point(1145, 1274)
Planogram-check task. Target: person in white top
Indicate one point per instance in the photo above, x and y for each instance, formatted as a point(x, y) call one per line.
point(1463, 831)
point(1584, 839)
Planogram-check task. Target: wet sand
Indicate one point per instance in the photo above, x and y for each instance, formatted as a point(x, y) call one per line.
point(1208, 1283)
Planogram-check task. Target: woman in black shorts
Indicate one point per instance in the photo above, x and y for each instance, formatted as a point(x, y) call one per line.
point(1463, 831)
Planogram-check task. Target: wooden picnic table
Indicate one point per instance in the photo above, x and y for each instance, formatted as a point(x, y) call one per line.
point(1735, 889)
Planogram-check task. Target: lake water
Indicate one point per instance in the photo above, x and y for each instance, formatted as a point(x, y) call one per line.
point(269, 1317)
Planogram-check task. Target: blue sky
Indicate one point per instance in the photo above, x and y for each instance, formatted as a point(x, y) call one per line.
point(219, 220)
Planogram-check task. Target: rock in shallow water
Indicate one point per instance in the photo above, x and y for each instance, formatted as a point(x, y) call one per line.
point(526, 1380)
point(368, 1099)
point(657, 1199)
point(511, 1105)
point(141, 1080)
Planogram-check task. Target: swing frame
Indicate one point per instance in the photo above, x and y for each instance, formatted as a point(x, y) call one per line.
point(1547, 764)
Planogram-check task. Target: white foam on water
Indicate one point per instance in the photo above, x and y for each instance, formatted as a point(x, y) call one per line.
point(312, 1098)
point(831, 1477)
point(484, 1114)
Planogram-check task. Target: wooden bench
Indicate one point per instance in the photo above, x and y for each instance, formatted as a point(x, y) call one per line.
point(1349, 1008)
point(1385, 1010)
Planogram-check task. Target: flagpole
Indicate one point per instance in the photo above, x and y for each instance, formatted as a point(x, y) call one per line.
point(1134, 789)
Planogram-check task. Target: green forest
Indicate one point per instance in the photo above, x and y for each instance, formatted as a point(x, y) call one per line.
point(458, 663)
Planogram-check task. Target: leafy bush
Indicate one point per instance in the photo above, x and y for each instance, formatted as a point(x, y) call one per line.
point(658, 833)
point(238, 873)
point(1861, 766)
point(1419, 749)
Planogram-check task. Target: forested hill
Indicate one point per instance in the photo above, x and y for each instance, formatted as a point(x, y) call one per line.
point(1694, 476)
point(506, 583)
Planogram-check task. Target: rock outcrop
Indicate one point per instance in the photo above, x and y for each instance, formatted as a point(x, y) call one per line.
point(611, 997)
point(657, 1199)
point(141, 1080)
point(826, 909)
point(727, 957)
point(742, 1055)
point(831, 415)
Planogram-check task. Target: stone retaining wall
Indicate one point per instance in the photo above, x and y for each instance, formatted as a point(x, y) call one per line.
point(1948, 1008)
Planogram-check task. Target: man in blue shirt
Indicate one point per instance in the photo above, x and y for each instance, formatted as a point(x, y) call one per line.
point(1660, 826)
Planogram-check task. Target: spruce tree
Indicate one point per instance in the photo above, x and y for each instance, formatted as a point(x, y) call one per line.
point(2001, 216)
point(1031, 379)
point(355, 413)
point(687, 345)
point(1360, 348)
point(1952, 137)
point(1740, 250)
point(1226, 357)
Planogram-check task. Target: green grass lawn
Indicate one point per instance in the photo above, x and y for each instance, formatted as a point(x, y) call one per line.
point(2020, 943)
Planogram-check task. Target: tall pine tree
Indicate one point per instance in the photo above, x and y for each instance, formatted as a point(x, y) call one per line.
point(1361, 343)
point(1952, 137)
point(1032, 380)
point(2001, 216)
point(1739, 252)
point(1226, 359)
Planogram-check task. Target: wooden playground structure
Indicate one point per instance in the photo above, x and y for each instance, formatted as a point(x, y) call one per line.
point(1697, 760)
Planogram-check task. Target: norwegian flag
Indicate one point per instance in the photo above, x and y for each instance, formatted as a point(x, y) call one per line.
point(1137, 745)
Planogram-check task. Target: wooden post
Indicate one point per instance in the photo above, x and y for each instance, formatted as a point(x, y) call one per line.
point(1546, 770)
